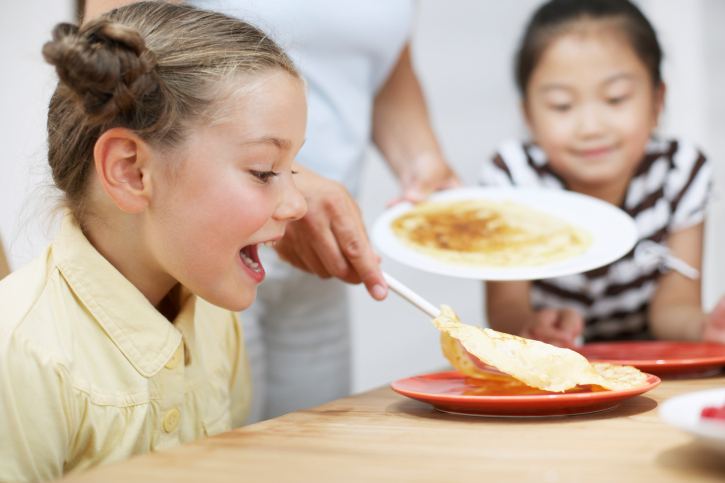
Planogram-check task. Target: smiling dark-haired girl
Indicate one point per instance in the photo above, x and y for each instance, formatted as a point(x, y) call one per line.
point(588, 72)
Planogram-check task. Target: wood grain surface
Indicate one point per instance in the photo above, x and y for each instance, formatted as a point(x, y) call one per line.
point(380, 436)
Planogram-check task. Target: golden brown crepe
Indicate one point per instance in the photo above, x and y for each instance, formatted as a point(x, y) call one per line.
point(489, 233)
point(534, 363)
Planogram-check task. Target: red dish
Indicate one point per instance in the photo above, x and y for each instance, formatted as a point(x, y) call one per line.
point(665, 359)
point(450, 392)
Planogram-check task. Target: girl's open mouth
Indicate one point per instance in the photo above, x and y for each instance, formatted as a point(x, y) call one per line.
point(250, 259)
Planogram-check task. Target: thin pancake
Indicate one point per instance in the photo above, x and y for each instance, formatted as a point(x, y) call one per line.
point(532, 362)
point(489, 233)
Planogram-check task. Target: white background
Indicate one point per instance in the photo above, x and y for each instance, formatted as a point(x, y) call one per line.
point(463, 52)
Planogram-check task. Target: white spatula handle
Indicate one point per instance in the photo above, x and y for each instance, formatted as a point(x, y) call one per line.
point(411, 296)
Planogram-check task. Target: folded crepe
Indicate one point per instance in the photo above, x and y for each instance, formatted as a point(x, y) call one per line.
point(534, 363)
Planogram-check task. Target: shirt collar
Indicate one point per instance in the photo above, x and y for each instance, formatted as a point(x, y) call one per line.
point(142, 334)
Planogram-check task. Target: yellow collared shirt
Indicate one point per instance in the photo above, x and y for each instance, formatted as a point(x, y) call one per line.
point(91, 372)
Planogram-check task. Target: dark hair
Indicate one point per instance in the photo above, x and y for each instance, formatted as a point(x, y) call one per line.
point(150, 67)
point(557, 16)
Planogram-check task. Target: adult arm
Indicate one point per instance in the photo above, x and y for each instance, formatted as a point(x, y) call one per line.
point(330, 240)
point(403, 133)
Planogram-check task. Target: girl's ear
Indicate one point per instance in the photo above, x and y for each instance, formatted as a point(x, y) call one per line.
point(122, 160)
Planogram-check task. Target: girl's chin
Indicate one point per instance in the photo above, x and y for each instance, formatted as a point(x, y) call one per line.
point(595, 178)
point(237, 302)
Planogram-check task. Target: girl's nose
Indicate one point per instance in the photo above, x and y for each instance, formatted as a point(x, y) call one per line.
point(293, 205)
point(589, 122)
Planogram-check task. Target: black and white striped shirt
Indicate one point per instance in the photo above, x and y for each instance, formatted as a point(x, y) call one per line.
point(668, 193)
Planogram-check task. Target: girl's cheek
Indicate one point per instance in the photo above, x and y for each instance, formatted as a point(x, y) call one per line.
point(555, 135)
point(550, 127)
point(561, 132)
point(632, 125)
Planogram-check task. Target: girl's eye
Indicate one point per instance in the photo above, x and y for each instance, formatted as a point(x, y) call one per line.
point(616, 100)
point(263, 175)
point(561, 107)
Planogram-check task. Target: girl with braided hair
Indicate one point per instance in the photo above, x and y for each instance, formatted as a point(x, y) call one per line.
point(175, 162)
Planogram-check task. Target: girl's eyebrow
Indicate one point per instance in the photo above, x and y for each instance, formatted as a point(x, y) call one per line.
point(619, 76)
point(553, 87)
point(284, 144)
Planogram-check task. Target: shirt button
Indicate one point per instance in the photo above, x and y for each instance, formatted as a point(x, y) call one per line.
point(171, 419)
point(174, 361)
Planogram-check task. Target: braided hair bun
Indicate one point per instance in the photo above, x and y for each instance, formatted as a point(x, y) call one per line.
point(152, 68)
point(105, 65)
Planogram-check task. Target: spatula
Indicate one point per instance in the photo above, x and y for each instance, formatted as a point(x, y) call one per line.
point(428, 307)
point(411, 296)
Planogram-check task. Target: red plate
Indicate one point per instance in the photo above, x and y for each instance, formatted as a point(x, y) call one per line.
point(450, 392)
point(666, 359)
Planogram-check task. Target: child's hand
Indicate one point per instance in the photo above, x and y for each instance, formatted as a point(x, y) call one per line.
point(714, 327)
point(559, 327)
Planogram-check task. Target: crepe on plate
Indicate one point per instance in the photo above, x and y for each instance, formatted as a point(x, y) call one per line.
point(488, 233)
point(534, 363)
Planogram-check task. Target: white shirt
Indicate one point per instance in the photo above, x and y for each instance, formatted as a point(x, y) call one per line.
point(346, 50)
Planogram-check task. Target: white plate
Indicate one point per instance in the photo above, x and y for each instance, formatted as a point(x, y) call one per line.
point(613, 231)
point(683, 412)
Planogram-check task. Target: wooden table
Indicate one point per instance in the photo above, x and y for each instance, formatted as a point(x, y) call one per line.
point(380, 436)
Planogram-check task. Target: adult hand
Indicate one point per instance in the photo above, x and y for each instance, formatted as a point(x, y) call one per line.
point(714, 327)
point(427, 174)
point(403, 133)
point(559, 327)
point(330, 240)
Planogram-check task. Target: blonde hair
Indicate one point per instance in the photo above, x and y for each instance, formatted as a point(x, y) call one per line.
point(149, 67)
